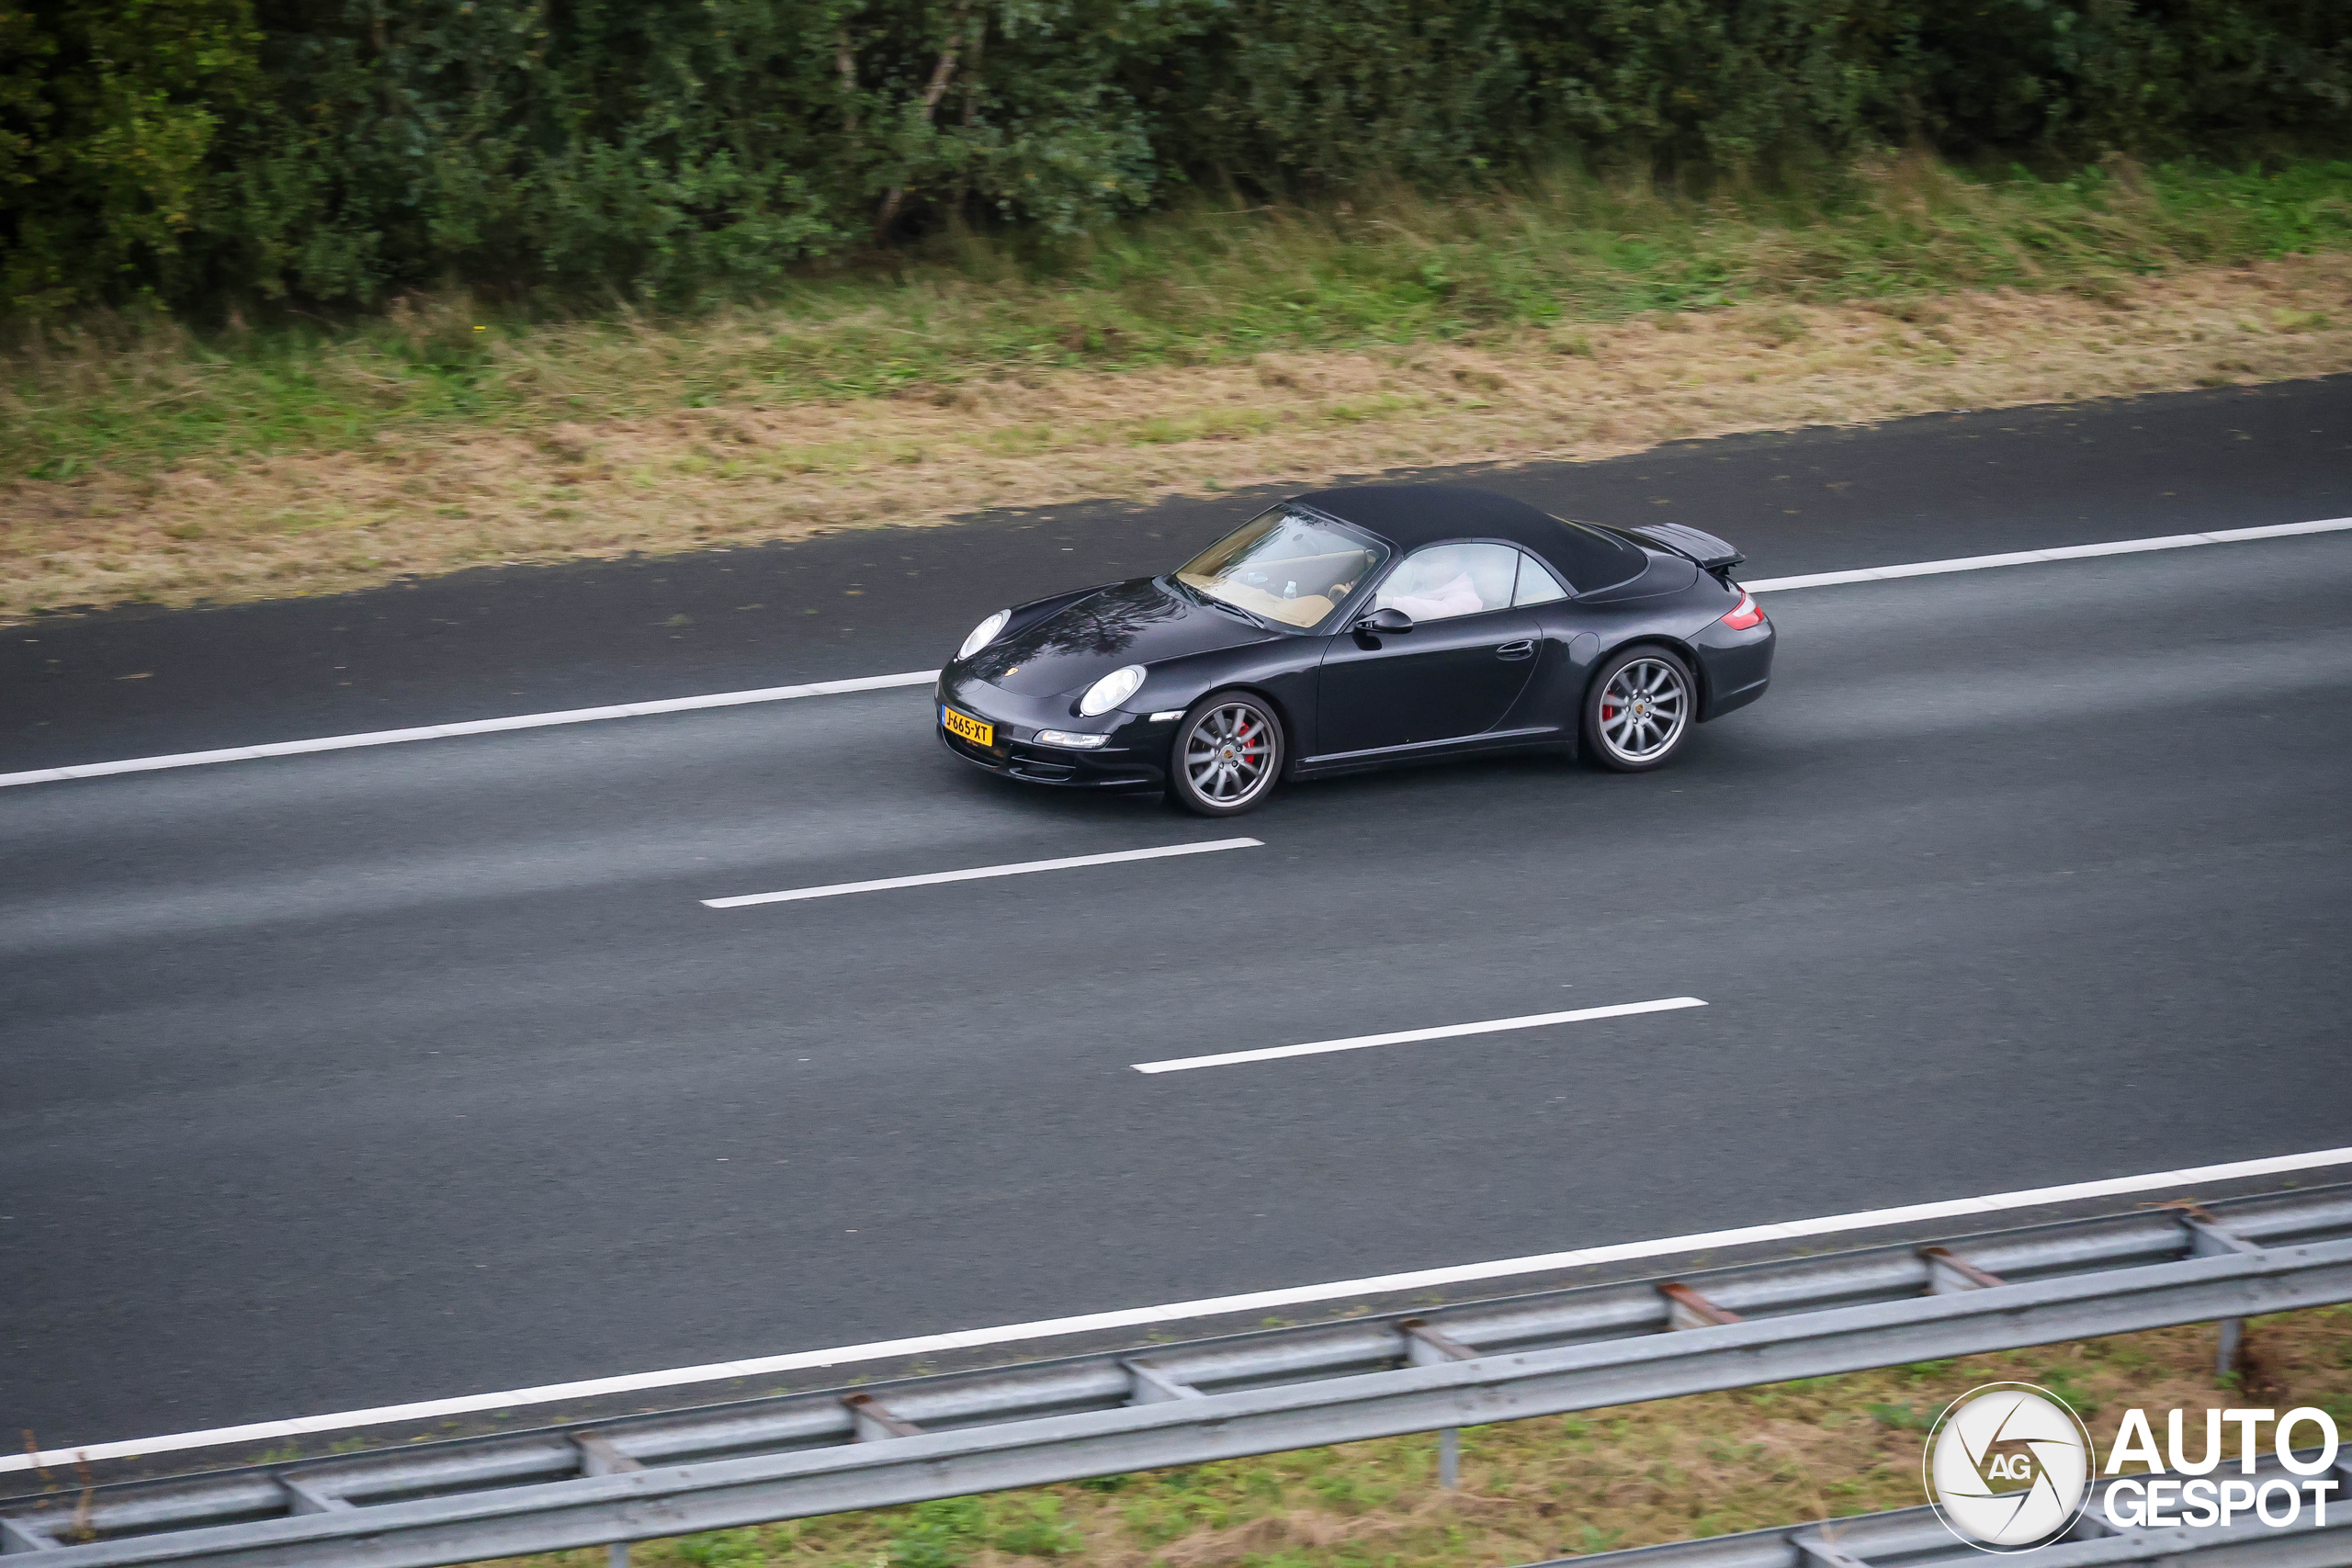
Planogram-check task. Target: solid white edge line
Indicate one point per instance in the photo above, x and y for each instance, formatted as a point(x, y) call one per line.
point(2035, 558)
point(472, 726)
point(918, 677)
point(1407, 1036)
point(1021, 868)
point(1130, 1317)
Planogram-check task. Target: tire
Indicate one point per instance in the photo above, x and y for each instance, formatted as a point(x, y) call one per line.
point(1227, 756)
point(1639, 709)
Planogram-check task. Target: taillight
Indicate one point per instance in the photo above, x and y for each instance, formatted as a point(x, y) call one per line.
point(1745, 614)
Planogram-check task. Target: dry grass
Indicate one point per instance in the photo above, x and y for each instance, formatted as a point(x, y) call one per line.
point(428, 500)
point(1706, 1465)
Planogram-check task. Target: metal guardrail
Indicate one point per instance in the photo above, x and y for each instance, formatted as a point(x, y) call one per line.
point(1914, 1538)
point(904, 1441)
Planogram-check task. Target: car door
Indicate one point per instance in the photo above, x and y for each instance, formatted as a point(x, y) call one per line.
point(1452, 676)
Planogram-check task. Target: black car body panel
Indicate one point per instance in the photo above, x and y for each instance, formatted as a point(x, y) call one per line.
point(1142, 621)
point(1349, 698)
point(1441, 681)
point(1660, 574)
point(1734, 666)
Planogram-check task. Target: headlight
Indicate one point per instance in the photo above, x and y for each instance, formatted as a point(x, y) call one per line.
point(1110, 690)
point(984, 634)
point(1071, 738)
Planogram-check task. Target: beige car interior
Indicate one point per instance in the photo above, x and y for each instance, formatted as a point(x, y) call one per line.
point(1312, 586)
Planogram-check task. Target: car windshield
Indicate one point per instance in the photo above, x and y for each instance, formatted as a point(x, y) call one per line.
point(1290, 567)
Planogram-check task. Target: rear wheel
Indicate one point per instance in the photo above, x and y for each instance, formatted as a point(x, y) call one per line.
point(1227, 754)
point(1638, 710)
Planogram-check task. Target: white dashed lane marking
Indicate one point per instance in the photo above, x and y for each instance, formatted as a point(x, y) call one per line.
point(979, 872)
point(1407, 1036)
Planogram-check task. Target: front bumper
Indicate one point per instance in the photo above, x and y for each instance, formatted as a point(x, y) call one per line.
point(1134, 757)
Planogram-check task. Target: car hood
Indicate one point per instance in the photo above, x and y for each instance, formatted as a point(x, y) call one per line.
point(1139, 622)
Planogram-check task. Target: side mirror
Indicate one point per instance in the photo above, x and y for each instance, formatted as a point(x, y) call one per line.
point(1387, 621)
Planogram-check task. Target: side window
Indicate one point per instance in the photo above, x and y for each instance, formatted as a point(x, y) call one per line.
point(1536, 584)
point(1445, 581)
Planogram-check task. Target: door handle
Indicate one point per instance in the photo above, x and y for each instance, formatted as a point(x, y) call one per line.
point(1520, 649)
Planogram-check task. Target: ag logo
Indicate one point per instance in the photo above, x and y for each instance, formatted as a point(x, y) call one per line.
point(2008, 1467)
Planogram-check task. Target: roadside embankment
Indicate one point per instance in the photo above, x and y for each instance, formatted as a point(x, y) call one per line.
point(1573, 323)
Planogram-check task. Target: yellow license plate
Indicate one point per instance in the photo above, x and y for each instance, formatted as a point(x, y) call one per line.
point(979, 732)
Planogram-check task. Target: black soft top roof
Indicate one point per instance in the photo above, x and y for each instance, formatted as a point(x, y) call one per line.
point(1409, 516)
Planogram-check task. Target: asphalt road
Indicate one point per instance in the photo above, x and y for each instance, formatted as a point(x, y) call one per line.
point(484, 643)
point(339, 1080)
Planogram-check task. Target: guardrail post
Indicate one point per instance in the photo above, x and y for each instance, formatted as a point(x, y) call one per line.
point(1686, 1308)
point(1152, 1386)
point(1949, 1273)
point(1428, 1346)
point(599, 1456)
point(304, 1499)
point(873, 1420)
point(2229, 1346)
point(2209, 1239)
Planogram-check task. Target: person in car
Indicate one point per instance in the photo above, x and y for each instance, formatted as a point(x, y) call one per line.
point(1433, 586)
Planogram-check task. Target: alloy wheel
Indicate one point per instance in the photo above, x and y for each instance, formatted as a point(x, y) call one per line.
point(1227, 754)
point(1644, 709)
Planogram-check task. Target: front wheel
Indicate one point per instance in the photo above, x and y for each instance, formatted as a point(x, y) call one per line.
point(1227, 754)
point(1638, 710)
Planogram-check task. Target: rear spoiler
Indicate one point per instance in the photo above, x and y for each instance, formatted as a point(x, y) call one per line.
point(1710, 553)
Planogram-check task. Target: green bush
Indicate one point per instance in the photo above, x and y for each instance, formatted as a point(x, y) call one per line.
point(112, 123)
point(212, 155)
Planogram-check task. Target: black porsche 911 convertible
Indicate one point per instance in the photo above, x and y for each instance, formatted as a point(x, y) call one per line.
point(1353, 628)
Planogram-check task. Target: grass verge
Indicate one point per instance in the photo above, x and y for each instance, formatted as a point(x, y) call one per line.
point(1710, 1464)
point(1571, 317)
